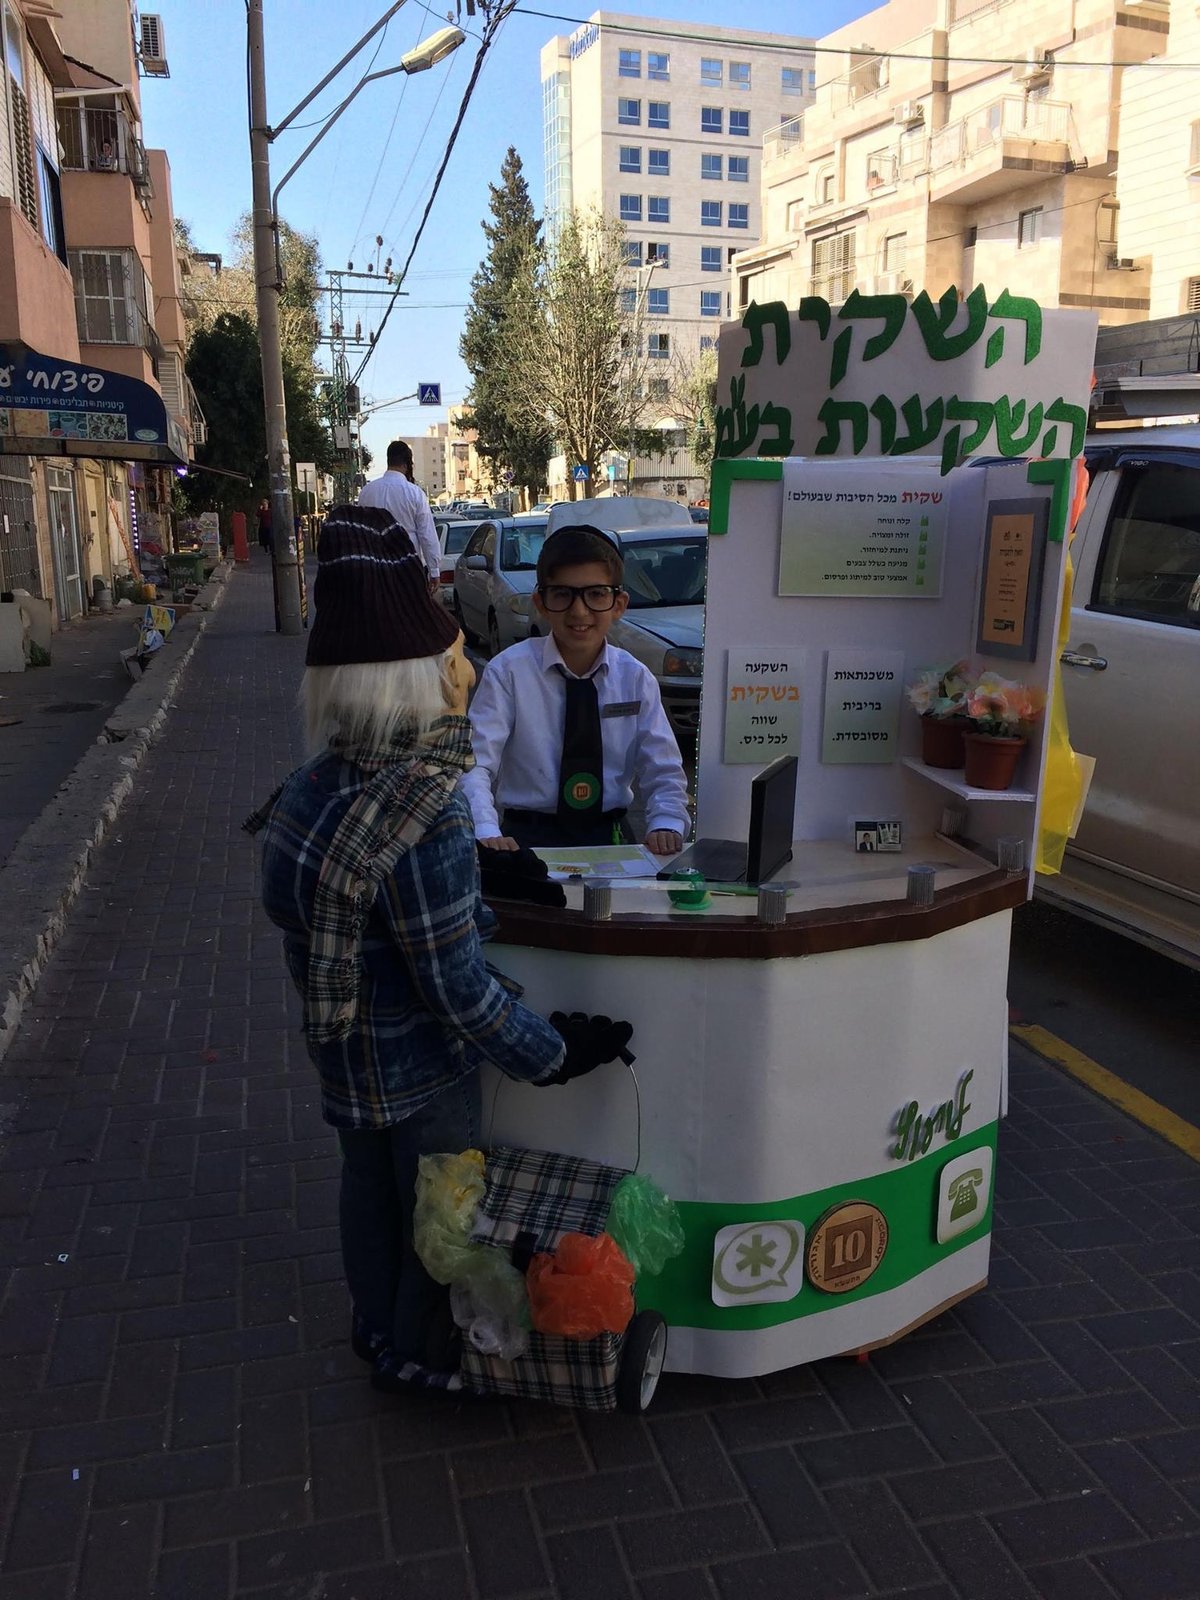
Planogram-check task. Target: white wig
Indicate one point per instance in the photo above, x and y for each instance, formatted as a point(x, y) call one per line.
point(369, 702)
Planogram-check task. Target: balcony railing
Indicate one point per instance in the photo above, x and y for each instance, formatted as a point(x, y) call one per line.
point(101, 139)
point(111, 300)
point(783, 140)
point(1011, 117)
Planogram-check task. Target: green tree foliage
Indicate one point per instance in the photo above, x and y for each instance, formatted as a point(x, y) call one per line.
point(577, 342)
point(512, 435)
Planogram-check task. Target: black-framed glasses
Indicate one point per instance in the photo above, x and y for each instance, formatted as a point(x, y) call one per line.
point(595, 596)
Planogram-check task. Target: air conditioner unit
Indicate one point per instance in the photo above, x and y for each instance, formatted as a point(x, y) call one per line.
point(1122, 264)
point(891, 283)
point(152, 51)
point(1035, 69)
point(908, 113)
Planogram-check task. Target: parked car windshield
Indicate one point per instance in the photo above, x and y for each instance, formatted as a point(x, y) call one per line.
point(665, 572)
point(521, 545)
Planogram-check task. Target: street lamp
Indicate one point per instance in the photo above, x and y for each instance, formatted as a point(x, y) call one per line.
point(266, 270)
point(641, 295)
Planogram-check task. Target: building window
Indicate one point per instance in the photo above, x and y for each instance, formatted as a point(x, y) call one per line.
point(1106, 223)
point(833, 266)
point(712, 119)
point(659, 252)
point(632, 249)
point(658, 114)
point(710, 166)
point(739, 214)
point(111, 298)
point(710, 71)
point(1029, 228)
point(791, 80)
point(659, 163)
point(658, 302)
point(826, 187)
point(631, 158)
point(658, 346)
point(707, 342)
point(970, 237)
point(629, 64)
point(710, 258)
point(629, 301)
point(710, 213)
point(812, 80)
point(658, 388)
point(51, 206)
point(729, 254)
point(895, 248)
point(658, 209)
point(739, 124)
point(710, 302)
point(738, 169)
point(739, 75)
point(631, 208)
point(658, 67)
point(1191, 295)
point(629, 113)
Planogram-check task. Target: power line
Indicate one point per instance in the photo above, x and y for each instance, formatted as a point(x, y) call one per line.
point(802, 48)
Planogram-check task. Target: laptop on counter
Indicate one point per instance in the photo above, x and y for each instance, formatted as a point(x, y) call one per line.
point(769, 846)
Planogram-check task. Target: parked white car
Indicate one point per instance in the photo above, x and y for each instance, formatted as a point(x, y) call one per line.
point(454, 534)
point(495, 577)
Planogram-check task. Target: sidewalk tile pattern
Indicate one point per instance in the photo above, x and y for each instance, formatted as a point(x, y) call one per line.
point(181, 1417)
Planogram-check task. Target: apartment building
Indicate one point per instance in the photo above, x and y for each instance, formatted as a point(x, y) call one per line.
point(1158, 184)
point(661, 124)
point(429, 460)
point(956, 142)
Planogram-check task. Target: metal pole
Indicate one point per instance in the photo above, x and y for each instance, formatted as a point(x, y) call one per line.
point(266, 292)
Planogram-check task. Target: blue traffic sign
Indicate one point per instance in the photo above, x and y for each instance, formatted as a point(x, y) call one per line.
point(581, 473)
point(429, 394)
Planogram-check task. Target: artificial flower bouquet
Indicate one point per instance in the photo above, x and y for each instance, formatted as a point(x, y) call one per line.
point(998, 708)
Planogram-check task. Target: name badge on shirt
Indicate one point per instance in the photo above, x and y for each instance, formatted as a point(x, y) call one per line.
point(622, 708)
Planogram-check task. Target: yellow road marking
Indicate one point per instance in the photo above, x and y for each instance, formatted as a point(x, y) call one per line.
point(1174, 1129)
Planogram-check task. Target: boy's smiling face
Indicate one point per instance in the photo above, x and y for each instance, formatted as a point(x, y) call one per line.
point(578, 632)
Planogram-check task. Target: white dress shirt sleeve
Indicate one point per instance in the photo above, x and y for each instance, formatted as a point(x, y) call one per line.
point(492, 716)
point(427, 539)
point(661, 779)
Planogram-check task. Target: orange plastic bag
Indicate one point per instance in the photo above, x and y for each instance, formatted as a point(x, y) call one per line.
point(584, 1289)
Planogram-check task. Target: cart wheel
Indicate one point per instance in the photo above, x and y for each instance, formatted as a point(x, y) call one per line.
point(641, 1362)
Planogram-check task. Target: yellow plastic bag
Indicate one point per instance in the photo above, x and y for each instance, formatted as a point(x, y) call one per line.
point(449, 1189)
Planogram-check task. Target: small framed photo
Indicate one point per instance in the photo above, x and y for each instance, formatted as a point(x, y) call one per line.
point(879, 835)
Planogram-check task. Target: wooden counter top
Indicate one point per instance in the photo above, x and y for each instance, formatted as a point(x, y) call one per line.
point(841, 901)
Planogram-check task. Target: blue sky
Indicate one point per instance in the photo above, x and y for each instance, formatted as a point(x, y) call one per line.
point(373, 173)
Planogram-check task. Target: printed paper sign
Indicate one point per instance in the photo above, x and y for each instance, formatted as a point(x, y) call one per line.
point(862, 707)
point(1013, 559)
point(762, 711)
point(885, 538)
point(758, 1263)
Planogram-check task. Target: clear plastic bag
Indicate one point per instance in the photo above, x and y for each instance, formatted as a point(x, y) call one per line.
point(645, 1223)
point(449, 1189)
point(584, 1289)
point(490, 1305)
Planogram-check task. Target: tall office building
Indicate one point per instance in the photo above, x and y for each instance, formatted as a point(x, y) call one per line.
point(661, 124)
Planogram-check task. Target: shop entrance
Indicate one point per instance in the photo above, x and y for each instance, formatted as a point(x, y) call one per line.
point(19, 567)
point(64, 538)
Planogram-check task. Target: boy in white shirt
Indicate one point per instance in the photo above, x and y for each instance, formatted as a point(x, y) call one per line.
point(562, 726)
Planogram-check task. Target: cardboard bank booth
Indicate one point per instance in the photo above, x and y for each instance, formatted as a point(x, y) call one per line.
point(819, 1088)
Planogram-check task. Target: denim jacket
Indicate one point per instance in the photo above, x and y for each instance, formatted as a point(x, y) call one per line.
point(430, 1010)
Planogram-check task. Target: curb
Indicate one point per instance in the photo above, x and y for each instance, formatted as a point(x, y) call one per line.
point(47, 869)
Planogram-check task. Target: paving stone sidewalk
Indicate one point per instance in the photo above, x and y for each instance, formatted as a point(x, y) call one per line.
point(180, 1416)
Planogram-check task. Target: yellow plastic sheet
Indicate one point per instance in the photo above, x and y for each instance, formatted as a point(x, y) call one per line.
point(1063, 783)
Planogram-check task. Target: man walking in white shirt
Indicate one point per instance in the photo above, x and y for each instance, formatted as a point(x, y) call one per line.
point(397, 493)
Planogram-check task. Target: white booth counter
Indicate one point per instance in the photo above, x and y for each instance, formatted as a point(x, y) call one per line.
point(817, 1095)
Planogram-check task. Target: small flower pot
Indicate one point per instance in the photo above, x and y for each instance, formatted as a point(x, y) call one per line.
point(942, 741)
point(991, 763)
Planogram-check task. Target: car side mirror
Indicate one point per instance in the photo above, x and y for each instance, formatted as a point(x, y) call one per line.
point(477, 563)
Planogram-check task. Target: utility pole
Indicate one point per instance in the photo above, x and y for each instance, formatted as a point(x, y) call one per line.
point(266, 295)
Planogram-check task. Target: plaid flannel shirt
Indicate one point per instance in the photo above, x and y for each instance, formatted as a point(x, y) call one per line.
point(429, 1010)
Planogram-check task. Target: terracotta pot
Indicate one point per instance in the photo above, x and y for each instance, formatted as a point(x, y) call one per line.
point(942, 741)
point(991, 763)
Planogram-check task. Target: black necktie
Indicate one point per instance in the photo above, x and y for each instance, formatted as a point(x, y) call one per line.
point(581, 773)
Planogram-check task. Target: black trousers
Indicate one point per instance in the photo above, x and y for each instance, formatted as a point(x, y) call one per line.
point(534, 828)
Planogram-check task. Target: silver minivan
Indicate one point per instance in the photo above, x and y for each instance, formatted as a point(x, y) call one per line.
point(1131, 680)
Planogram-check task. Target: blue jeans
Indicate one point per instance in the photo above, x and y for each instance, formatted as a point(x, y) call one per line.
point(392, 1292)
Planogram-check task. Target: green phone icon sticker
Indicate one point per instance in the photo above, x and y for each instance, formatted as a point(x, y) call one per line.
point(758, 1263)
point(964, 1190)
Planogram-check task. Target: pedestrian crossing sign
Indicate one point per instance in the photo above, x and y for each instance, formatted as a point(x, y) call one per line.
point(429, 394)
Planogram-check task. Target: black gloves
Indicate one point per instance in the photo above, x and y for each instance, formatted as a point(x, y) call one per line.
point(590, 1042)
point(517, 875)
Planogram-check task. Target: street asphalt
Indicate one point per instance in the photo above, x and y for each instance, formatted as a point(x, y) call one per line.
point(181, 1416)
